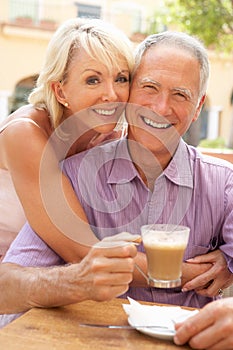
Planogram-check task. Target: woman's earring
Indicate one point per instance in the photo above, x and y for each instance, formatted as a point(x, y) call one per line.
point(66, 104)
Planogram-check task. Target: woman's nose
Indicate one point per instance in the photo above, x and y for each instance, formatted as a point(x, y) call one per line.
point(109, 93)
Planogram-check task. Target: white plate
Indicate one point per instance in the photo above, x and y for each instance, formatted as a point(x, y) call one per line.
point(166, 334)
point(146, 315)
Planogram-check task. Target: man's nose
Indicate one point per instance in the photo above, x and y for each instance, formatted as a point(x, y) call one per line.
point(161, 105)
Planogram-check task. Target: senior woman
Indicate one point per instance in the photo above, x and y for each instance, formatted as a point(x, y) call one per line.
point(87, 68)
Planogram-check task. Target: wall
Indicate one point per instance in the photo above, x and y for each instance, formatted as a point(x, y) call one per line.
point(220, 89)
point(22, 50)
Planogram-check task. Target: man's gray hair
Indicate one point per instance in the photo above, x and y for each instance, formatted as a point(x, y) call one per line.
point(182, 41)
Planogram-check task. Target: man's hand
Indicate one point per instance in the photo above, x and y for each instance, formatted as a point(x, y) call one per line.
point(210, 329)
point(215, 274)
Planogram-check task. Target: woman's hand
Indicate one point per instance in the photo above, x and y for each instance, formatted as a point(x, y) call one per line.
point(106, 271)
point(215, 278)
point(103, 138)
point(103, 274)
point(123, 237)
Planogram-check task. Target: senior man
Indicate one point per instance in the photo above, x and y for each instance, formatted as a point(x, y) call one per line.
point(153, 176)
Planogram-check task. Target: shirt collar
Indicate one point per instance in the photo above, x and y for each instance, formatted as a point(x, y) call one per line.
point(122, 170)
point(178, 171)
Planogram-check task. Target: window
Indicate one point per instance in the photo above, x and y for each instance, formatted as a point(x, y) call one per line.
point(21, 92)
point(89, 11)
point(33, 13)
point(23, 9)
point(128, 16)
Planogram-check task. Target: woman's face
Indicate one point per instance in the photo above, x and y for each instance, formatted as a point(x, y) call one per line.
point(99, 92)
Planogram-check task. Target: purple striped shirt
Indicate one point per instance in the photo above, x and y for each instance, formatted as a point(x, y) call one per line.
point(194, 190)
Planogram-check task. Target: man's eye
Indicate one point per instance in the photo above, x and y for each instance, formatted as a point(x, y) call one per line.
point(92, 81)
point(150, 87)
point(180, 97)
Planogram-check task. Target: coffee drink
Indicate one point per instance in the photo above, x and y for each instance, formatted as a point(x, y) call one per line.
point(164, 246)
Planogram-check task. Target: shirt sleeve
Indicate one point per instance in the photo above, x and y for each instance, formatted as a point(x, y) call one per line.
point(227, 228)
point(28, 249)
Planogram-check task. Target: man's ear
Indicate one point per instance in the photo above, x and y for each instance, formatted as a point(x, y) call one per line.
point(199, 108)
point(58, 92)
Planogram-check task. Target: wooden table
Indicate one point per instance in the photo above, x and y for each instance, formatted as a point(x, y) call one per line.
point(58, 329)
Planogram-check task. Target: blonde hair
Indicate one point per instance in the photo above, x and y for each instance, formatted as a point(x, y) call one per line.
point(101, 41)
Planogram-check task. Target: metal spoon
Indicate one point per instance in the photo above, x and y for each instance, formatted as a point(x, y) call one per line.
point(142, 273)
point(163, 328)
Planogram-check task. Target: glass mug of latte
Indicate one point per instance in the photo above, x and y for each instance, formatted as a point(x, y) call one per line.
point(164, 246)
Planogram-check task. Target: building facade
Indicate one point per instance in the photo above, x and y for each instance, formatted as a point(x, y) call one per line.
point(26, 26)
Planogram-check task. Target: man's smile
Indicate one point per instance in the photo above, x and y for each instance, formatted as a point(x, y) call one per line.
point(156, 125)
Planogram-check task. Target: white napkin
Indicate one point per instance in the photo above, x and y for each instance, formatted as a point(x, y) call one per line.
point(153, 315)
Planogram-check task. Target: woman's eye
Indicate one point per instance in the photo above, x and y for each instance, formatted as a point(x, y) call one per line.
point(122, 79)
point(92, 81)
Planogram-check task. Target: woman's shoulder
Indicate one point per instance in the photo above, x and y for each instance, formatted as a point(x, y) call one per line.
point(17, 120)
point(26, 119)
point(23, 136)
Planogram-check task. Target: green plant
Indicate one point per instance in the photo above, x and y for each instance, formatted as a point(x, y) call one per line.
point(216, 143)
point(210, 20)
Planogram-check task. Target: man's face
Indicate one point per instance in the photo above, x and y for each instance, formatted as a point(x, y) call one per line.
point(164, 97)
